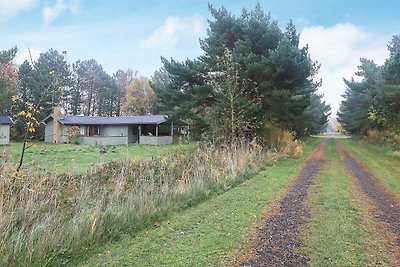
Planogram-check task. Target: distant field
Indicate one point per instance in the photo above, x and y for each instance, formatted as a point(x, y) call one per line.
point(79, 158)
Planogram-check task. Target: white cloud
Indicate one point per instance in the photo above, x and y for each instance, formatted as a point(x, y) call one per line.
point(339, 49)
point(51, 13)
point(174, 30)
point(9, 8)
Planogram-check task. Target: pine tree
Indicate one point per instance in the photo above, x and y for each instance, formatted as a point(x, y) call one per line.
point(278, 73)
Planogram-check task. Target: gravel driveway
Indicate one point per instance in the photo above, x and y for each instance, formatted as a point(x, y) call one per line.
point(278, 243)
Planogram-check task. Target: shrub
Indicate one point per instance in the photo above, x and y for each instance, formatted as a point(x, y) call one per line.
point(281, 140)
point(73, 133)
point(384, 137)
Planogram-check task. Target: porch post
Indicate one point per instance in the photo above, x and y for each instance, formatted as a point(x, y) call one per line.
point(156, 129)
point(172, 128)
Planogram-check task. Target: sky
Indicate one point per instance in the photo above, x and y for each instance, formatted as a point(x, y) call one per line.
point(122, 34)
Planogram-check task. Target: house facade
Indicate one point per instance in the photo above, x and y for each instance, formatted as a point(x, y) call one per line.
point(5, 123)
point(103, 131)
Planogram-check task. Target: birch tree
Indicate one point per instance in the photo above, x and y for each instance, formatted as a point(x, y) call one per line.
point(140, 97)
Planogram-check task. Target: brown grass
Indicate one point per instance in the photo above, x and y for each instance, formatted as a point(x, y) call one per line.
point(384, 137)
point(47, 218)
point(282, 140)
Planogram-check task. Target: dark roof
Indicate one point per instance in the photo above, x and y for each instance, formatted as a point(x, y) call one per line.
point(5, 120)
point(89, 120)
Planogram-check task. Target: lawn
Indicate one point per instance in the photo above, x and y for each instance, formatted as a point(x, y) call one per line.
point(210, 234)
point(79, 158)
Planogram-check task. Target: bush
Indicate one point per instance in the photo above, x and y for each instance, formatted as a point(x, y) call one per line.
point(73, 133)
point(281, 140)
point(384, 137)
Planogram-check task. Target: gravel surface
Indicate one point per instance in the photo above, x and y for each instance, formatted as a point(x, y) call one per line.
point(388, 207)
point(278, 243)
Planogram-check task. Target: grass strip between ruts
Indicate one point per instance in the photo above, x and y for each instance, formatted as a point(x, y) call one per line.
point(210, 233)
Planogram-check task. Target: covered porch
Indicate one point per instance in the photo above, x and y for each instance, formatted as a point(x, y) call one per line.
point(153, 134)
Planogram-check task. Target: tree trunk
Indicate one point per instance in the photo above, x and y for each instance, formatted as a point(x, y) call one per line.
point(21, 160)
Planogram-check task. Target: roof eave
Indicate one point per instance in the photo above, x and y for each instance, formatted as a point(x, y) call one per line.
point(8, 122)
point(51, 116)
point(103, 124)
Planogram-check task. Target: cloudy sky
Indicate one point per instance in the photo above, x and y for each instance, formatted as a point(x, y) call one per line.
point(123, 34)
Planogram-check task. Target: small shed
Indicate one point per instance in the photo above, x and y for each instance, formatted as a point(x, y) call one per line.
point(5, 123)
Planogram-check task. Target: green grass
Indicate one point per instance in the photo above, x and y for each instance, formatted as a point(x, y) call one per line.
point(339, 232)
point(209, 234)
point(382, 161)
point(80, 158)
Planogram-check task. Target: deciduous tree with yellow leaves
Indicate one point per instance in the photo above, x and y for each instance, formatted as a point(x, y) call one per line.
point(25, 114)
point(140, 97)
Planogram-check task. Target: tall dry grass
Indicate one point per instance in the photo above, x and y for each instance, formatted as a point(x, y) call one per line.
point(283, 141)
point(45, 219)
point(384, 137)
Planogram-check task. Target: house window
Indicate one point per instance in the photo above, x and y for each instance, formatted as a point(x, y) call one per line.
point(92, 130)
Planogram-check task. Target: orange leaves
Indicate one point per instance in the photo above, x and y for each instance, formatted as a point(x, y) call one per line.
point(10, 72)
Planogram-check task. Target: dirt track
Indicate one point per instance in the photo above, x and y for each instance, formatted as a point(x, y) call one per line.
point(277, 243)
point(386, 206)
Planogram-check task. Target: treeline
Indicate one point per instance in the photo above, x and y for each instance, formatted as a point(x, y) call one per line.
point(251, 75)
point(373, 104)
point(251, 78)
point(81, 88)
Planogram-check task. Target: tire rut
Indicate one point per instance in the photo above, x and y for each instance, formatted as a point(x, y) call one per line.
point(386, 206)
point(277, 242)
